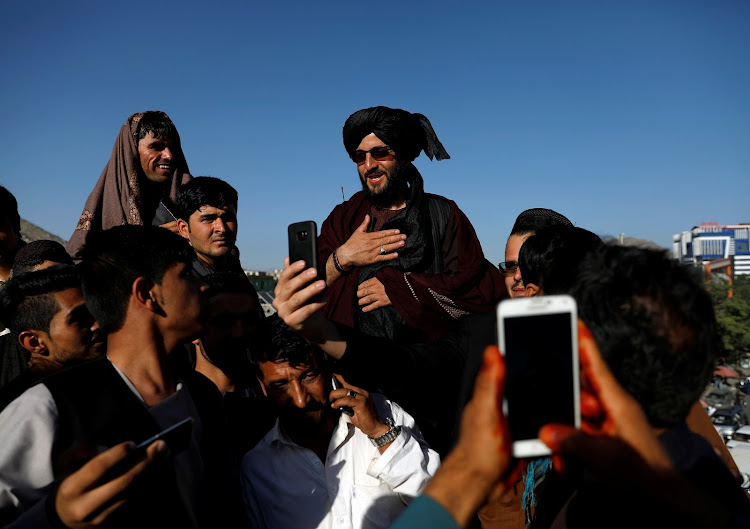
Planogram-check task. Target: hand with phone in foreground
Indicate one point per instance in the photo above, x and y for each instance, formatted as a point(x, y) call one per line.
point(84, 501)
point(618, 445)
point(616, 441)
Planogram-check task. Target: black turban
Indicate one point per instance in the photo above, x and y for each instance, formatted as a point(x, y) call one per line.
point(406, 133)
point(536, 219)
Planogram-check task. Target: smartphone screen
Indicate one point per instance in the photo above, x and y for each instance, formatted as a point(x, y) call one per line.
point(540, 349)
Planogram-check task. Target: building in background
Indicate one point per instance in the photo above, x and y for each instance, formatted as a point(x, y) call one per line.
point(716, 248)
point(264, 283)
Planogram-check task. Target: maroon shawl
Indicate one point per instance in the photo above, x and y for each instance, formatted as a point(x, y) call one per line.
point(430, 303)
point(116, 198)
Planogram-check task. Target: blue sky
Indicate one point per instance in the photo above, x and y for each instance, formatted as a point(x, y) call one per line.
point(628, 117)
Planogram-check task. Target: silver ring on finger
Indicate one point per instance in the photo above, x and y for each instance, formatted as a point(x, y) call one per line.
point(382, 250)
point(351, 393)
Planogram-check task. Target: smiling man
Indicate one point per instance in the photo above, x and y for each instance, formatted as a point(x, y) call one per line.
point(140, 181)
point(207, 209)
point(321, 467)
point(399, 262)
point(527, 223)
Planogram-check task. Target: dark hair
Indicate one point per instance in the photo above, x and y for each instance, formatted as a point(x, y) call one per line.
point(533, 220)
point(36, 252)
point(27, 301)
point(551, 257)
point(157, 123)
point(9, 208)
point(112, 260)
point(282, 344)
point(654, 323)
point(204, 191)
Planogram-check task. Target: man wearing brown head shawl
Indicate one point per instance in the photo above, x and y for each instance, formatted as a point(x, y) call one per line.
point(399, 262)
point(140, 181)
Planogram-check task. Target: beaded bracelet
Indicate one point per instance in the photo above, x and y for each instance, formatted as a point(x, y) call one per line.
point(337, 264)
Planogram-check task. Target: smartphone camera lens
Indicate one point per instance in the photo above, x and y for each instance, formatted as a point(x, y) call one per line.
point(302, 235)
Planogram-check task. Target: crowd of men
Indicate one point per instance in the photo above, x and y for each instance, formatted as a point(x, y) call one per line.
point(141, 383)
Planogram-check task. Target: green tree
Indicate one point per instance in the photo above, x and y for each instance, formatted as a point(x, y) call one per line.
point(733, 314)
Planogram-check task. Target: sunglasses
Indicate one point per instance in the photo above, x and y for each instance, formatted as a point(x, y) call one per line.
point(508, 267)
point(383, 153)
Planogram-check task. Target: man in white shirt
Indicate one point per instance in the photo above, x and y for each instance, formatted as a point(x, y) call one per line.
point(320, 466)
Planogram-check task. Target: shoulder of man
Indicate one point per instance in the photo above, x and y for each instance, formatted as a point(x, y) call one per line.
point(258, 455)
point(388, 408)
point(82, 377)
point(356, 201)
point(205, 394)
point(440, 198)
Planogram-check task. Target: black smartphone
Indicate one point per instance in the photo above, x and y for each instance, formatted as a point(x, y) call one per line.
point(335, 384)
point(303, 243)
point(176, 436)
point(538, 336)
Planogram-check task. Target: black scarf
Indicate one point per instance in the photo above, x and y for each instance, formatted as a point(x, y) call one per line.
point(416, 255)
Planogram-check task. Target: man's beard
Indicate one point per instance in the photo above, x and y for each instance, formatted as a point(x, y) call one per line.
point(396, 186)
point(305, 420)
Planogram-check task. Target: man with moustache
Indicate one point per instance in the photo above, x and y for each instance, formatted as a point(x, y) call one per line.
point(320, 466)
point(207, 211)
point(399, 262)
point(140, 181)
point(407, 372)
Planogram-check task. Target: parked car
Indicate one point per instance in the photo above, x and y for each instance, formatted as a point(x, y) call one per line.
point(720, 398)
point(728, 420)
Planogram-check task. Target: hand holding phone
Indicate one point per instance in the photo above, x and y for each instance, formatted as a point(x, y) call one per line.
point(538, 337)
point(177, 438)
point(87, 493)
point(335, 384)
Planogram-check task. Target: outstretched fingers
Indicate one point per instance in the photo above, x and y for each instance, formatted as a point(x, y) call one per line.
point(294, 290)
point(84, 499)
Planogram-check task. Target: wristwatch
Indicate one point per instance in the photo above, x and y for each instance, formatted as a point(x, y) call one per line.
point(387, 437)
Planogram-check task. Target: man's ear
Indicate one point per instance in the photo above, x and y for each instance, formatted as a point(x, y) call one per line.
point(33, 342)
point(262, 385)
point(532, 290)
point(143, 294)
point(183, 229)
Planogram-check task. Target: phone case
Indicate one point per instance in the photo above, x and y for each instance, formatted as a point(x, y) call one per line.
point(303, 243)
point(542, 365)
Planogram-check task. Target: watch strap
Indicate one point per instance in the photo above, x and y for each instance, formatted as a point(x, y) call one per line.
point(393, 432)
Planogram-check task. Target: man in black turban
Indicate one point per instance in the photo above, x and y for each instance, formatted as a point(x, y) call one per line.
point(399, 262)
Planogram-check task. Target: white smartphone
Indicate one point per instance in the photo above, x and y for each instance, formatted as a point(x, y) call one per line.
point(538, 337)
